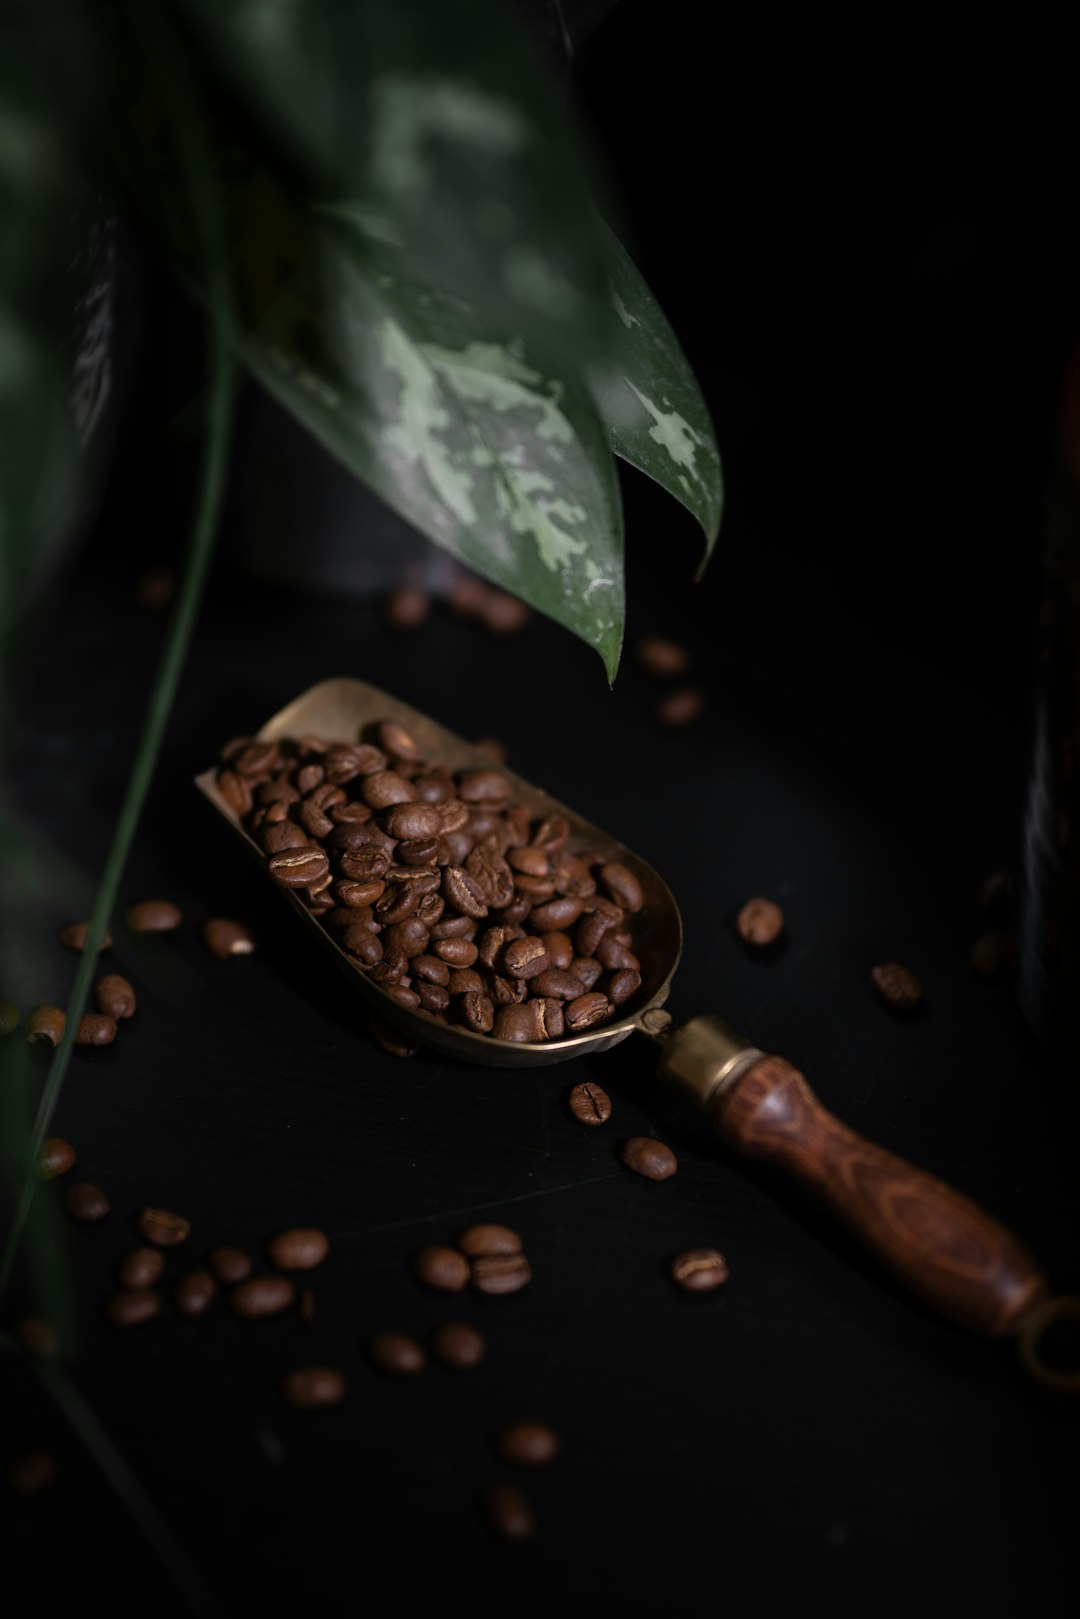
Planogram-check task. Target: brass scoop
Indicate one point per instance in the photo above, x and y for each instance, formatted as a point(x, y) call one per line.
point(947, 1250)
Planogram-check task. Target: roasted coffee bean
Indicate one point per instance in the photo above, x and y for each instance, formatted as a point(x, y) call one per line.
point(527, 1444)
point(298, 868)
point(355, 839)
point(588, 969)
point(407, 607)
point(410, 937)
point(76, 934)
point(431, 969)
point(613, 955)
point(408, 821)
point(649, 1158)
point(525, 958)
point(399, 901)
point(660, 657)
point(133, 1306)
point(493, 877)
point(434, 786)
point(340, 918)
point(369, 758)
point(309, 777)
point(573, 878)
point(354, 893)
point(491, 944)
point(31, 1472)
point(460, 846)
point(551, 834)
point(163, 1227)
point(396, 1353)
point(349, 813)
point(229, 1265)
point(533, 862)
point(476, 1011)
point(141, 1268)
point(699, 1270)
point(586, 1011)
point(257, 759)
point(560, 950)
point(465, 981)
point(397, 741)
point(432, 997)
point(341, 764)
point(390, 970)
point(233, 748)
point(590, 1104)
point(760, 921)
point(84, 1201)
point(386, 788)
point(114, 996)
point(680, 708)
point(463, 892)
point(488, 787)
point(417, 851)
point(36, 1335)
point(521, 1023)
point(95, 1029)
point(261, 1296)
point(278, 791)
point(404, 994)
point(235, 791)
point(315, 822)
point(364, 944)
point(506, 991)
point(622, 886)
point(594, 924)
point(224, 938)
point(154, 916)
point(267, 814)
point(301, 1248)
point(194, 1292)
point(496, 1274)
point(538, 889)
point(458, 1345)
point(314, 1388)
point(507, 1513)
point(454, 927)
point(897, 986)
point(455, 952)
point(55, 1157)
point(562, 986)
point(622, 986)
point(489, 1238)
point(552, 1018)
point(443, 1268)
point(394, 1044)
point(327, 797)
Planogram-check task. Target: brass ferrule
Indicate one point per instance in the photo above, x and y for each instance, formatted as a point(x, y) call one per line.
point(703, 1058)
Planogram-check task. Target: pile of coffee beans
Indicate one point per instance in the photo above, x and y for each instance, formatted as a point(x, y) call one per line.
point(438, 886)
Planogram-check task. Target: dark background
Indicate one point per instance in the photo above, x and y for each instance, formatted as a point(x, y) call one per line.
point(880, 334)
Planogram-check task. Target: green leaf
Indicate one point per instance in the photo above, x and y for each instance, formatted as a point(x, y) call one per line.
point(498, 458)
point(651, 405)
point(435, 123)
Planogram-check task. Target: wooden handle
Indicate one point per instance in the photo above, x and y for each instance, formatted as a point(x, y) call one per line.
point(939, 1243)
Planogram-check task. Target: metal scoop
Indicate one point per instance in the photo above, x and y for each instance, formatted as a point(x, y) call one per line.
point(947, 1250)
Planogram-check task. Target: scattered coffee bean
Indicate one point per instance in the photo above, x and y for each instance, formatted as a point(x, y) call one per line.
point(224, 937)
point(496, 1274)
point(760, 921)
point(153, 916)
point(9, 1018)
point(76, 935)
point(590, 1104)
point(681, 708)
point(31, 1472)
point(229, 1265)
point(133, 1306)
point(504, 614)
point(193, 1292)
point(897, 986)
point(394, 1044)
point(302, 1248)
point(163, 1228)
point(442, 1268)
point(660, 657)
point(407, 608)
point(699, 1270)
point(141, 1268)
point(84, 1201)
point(36, 1335)
point(96, 1030)
point(458, 1345)
point(649, 1158)
point(314, 1388)
point(527, 1444)
point(507, 1513)
point(396, 1353)
point(46, 1026)
point(114, 996)
point(261, 1296)
point(55, 1157)
point(489, 1239)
